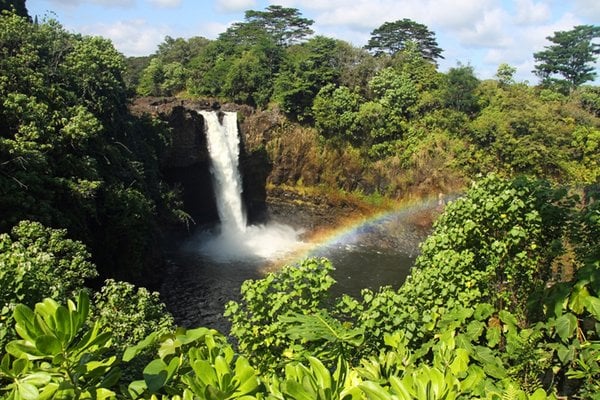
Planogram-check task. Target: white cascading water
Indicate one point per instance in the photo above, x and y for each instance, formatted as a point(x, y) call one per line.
point(236, 241)
point(223, 147)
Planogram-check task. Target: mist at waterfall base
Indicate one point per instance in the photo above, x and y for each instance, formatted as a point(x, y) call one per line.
point(233, 240)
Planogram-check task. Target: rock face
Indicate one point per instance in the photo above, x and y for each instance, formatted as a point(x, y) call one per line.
point(187, 163)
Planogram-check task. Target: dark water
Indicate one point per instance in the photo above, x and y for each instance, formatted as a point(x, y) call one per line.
point(375, 254)
point(363, 266)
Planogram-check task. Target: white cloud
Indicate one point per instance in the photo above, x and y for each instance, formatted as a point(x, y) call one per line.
point(165, 3)
point(132, 38)
point(211, 30)
point(488, 31)
point(529, 12)
point(234, 5)
point(589, 10)
point(107, 3)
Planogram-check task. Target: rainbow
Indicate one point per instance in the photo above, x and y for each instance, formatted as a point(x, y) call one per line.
point(409, 214)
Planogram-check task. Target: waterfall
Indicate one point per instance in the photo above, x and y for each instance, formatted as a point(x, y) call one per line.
point(236, 241)
point(223, 147)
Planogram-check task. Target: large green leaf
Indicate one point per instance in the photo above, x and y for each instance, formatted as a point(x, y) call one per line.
point(565, 326)
point(24, 349)
point(25, 326)
point(48, 345)
point(578, 298)
point(133, 351)
point(155, 375)
point(460, 363)
point(373, 391)
point(246, 376)
point(592, 304)
point(27, 391)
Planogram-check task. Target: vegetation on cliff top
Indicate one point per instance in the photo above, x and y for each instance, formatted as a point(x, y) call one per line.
point(389, 113)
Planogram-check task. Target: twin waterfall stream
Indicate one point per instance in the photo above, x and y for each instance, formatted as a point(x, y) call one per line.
point(223, 146)
point(235, 240)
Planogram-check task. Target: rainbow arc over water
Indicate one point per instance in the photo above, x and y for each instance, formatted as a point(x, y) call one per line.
point(400, 229)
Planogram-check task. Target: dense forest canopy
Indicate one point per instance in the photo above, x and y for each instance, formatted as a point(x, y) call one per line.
point(503, 301)
point(388, 107)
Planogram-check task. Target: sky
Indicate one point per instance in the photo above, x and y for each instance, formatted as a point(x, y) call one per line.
point(481, 33)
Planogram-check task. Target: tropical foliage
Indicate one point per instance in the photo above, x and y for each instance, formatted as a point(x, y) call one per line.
point(72, 156)
point(503, 301)
point(492, 309)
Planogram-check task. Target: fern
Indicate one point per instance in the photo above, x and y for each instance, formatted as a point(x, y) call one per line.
point(321, 326)
point(512, 392)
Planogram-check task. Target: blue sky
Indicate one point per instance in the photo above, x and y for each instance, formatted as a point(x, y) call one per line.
point(483, 33)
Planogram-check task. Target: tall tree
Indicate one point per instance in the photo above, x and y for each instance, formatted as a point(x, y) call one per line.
point(461, 83)
point(307, 67)
point(18, 6)
point(286, 25)
point(392, 37)
point(571, 56)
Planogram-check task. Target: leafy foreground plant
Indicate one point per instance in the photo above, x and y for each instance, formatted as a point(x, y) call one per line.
point(56, 357)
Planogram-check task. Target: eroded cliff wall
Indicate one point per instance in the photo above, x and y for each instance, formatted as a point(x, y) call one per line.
point(186, 165)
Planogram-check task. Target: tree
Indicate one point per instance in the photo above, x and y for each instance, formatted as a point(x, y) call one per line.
point(38, 262)
point(335, 110)
point(18, 6)
point(285, 24)
point(571, 56)
point(461, 83)
point(506, 74)
point(307, 67)
point(392, 37)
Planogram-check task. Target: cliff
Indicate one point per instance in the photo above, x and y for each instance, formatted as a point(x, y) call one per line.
point(186, 164)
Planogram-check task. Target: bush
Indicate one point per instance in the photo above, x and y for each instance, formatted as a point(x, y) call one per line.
point(38, 262)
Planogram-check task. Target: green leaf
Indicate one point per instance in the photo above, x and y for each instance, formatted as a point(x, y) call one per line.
point(83, 309)
point(25, 326)
point(493, 335)
point(475, 375)
point(48, 345)
point(508, 318)
point(27, 391)
point(246, 376)
point(320, 373)
point(592, 304)
point(539, 394)
point(297, 391)
point(23, 349)
point(133, 351)
point(38, 378)
point(321, 326)
point(205, 372)
point(578, 298)
point(48, 391)
point(461, 362)
point(565, 326)
point(565, 354)
point(136, 388)
point(483, 311)
point(374, 391)
point(491, 364)
point(155, 375)
point(63, 325)
point(399, 388)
